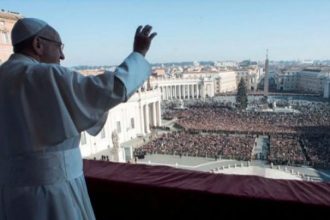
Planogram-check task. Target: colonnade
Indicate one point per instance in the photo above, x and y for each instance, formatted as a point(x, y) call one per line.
point(186, 91)
point(150, 116)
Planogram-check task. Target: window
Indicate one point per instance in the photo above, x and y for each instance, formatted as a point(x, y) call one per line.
point(132, 123)
point(118, 127)
point(5, 37)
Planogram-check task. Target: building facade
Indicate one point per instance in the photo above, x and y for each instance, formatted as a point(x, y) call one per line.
point(307, 80)
point(311, 81)
point(7, 21)
point(251, 77)
point(126, 121)
point(287, 80)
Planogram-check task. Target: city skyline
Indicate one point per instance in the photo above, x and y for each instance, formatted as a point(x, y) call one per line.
point(101, 32)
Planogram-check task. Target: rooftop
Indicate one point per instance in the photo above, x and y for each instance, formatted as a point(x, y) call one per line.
point(10, 15)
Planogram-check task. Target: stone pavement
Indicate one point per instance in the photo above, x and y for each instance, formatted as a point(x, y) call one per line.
point(223, 166)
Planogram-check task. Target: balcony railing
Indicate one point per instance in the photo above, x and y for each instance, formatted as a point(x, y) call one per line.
point(157, 192)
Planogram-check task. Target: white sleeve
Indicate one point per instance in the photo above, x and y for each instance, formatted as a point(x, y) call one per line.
point(133, 72)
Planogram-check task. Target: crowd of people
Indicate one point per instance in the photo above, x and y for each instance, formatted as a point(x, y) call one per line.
point(200, 145)
point(317, 149)
point(295, 138)
point(286, 150)
point(227, 120)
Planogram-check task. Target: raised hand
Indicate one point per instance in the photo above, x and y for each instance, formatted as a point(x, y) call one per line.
point(143, 39)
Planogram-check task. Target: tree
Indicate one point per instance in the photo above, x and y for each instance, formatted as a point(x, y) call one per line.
point(241, 97)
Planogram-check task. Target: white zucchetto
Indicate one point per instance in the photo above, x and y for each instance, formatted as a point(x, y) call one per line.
point(25, 28)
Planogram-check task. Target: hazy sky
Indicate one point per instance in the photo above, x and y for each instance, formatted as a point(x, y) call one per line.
point(101, 32)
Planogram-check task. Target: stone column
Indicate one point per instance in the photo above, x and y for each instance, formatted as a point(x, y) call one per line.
point(175, 95)
point(197, 90)
point(188, 91)
point(147, 119)
point(161, 93)
point(154, 113)
point(159, 114)
point(193, 91)
point(142, 117)
point(180, 91)
point(168, 92)
point(184, 91)
point(164, 92)
point(171, 92)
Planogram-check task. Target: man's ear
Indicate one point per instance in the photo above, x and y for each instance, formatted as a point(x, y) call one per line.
point(37, 46)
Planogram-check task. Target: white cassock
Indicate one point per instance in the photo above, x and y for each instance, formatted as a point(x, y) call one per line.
point(43, 110)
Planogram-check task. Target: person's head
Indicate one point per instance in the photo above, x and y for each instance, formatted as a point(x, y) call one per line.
point(37, 39)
